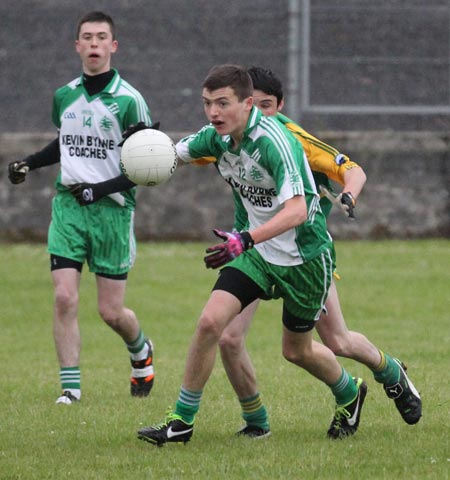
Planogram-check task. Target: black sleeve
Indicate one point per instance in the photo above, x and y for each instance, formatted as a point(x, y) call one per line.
point(47, 156)
point(117, 184)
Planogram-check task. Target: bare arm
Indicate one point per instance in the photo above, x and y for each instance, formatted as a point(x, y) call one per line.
point(293, 214)
point(354, 180)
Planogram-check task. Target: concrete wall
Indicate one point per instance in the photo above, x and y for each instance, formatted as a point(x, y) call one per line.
point(406, 195)
point(372, 79)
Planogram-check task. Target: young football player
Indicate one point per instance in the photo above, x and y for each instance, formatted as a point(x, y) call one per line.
point(286, 251)
point(93, 210)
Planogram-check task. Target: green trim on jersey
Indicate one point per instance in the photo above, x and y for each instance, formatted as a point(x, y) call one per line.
point(90, 128)
point(319, 177)
point(320, 151)
point(266, 169)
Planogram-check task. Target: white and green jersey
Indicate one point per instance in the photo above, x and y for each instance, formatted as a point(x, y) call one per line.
point(90, 129)
point(268, 168)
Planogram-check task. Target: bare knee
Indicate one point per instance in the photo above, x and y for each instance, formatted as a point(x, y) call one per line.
point(230, 343)
point(66, 301)
point(339, 349)
point(111, 315)
point(209, 326)
point(340, 346)
point(335, 336)
point(297, 356)
point(292, 356)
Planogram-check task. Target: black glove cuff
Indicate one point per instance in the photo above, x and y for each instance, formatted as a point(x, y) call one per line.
point(247, 240)
point(347, 198)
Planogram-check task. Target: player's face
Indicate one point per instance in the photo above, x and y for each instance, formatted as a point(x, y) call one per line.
point(95, 46)
point(268, 104)
point(224, 110)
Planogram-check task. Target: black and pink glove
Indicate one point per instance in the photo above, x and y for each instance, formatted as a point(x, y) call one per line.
point(235, 244)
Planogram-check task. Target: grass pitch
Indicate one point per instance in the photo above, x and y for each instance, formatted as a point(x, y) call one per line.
point(397, 293)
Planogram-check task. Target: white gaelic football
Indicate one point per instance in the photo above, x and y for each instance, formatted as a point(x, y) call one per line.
point(148, 157)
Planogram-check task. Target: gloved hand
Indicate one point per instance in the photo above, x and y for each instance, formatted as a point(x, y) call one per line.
point(17, 171)
point(136, 128)
point(344, 201)
point(85, 193)
point(348, 203)
point(235, 244)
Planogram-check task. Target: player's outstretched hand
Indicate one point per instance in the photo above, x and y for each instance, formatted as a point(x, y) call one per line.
point(85, 193)
point(235, 244)
point(136, 128)
point(17, 171)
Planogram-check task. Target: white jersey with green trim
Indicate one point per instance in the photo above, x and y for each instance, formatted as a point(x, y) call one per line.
point(268, 168)
point(90, 129)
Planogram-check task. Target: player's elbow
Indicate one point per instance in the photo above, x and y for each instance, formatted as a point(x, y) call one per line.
point(299, 218)
point(296, 211)
point(355, 178)
point(362, 176)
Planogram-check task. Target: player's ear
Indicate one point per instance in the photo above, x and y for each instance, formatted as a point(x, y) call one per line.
point(280, 105)
point(115, 46)
point(248, 103)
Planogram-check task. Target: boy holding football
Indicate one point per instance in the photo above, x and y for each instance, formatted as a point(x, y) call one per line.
point(326, 163)
point(286, 251)
point(93, 210)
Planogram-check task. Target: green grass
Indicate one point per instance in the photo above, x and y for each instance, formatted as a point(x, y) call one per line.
point(397, 293)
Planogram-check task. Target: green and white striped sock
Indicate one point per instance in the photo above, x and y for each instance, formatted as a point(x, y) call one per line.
point(188, 404)
point(70, 378)
point(138, 348)
point(344, 389)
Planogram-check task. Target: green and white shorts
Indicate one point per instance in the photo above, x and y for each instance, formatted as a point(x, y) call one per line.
point(303, 288)
point(101, 234)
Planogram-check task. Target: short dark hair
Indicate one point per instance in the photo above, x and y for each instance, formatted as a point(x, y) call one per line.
point(97, 17)
point(265, 80)
point(228, 75)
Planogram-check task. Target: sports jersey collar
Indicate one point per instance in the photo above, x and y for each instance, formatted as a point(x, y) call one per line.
point(115, 83)
point(112, 86)
point(253, 119)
